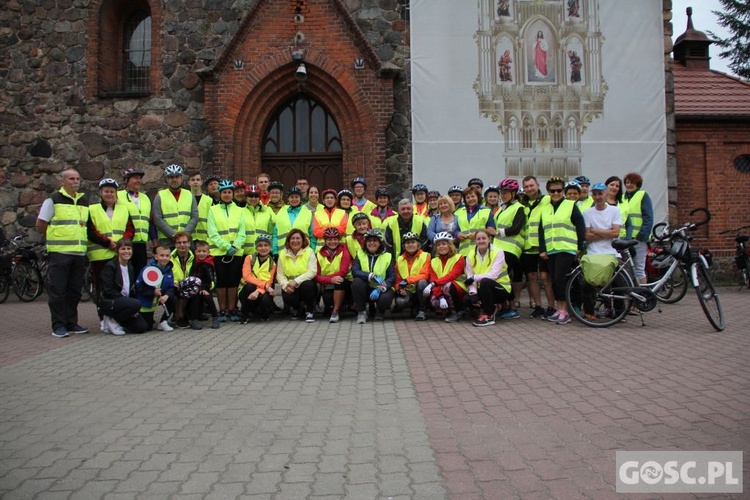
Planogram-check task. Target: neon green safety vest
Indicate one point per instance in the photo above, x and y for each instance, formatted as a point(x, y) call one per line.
point(379, 269)
point(176, 213)
point(140, 214)
point(483, 266)
point(261, 270)
point(226, 228)
point(113, 229)
point(328, 267)
point(66, 232)
point(559, 232)
point(531, 243)
point(404, 270)
point(624, 213)
point(479, 221)
point(201, 229)
point(177, 271)
point(417, 224)
point(503, 220)
point(441, 270)
point(635, 213)
point(326, 220)
point(284, 225)
point(295, 266)
point(258, 220)
point(585, 204)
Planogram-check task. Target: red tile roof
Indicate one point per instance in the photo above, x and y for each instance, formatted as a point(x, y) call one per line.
point(701, 92)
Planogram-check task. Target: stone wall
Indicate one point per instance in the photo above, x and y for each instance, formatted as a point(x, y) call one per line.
point(53, 116)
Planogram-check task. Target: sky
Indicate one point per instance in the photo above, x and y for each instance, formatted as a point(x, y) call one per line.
point(703, 20)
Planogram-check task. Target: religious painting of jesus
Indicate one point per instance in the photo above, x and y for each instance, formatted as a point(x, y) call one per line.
point(540, 59)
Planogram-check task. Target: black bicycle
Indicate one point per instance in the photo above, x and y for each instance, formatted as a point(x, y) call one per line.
point(742, 253)
point(26, 276)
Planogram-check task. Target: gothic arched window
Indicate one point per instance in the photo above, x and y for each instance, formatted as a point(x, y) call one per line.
point(303, 126)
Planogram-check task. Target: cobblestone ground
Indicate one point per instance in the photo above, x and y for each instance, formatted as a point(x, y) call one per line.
point(398, 409)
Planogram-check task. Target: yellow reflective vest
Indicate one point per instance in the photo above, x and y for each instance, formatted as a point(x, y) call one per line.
point(635, 213)
point(284, 225)
point(404, 270)
point(441, 270)
point(503, 220)
point(559, 232)
point(380, 268)
point(176, 213)
point(295, 266)
point(201, 229)
point(531, 243)
point(114, 229)
point(417, 224)
point(226, 228)
point(140, 214)
point(258, 220)
point(482, 266)
point(328, 267)
point(66, 232)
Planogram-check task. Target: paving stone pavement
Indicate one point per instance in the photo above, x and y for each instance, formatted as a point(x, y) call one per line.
point(394, 409)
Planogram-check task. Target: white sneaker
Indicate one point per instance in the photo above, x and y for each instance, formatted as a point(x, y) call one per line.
point(361, 318)
point(115, 328)
point(164, 326)
point(104, 325)
point(334, 317)
point(309, 317)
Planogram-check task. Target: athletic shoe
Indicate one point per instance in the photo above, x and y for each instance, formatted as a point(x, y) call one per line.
point(196, 325)
point(78, 329)
point(223, 316)
point(590, 317)
point(538, 313)
point(183, 323)
point(115, 328)
point(563, 318)
point(294, 314)
point(380, 316)
point(164, 326)
point(215, 323)
point(233, 316)
point(453, 317)
point(501, 311)
point(421, 316)
point(484, 320)
point(60, 332)
point(309, 318)
point(553, 317)
point(104, 325)
point(243, 319)
point(334, 317)
point(361, 318)
point(510, 314)
point(549, 312)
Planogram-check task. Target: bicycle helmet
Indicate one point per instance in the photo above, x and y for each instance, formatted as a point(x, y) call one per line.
point(263, 237)
point(329, 191)
point(599, 186)
point(443, 235)
point(240, 185)
point(455, 189)
point(294, 190)
point(132, 172)
point(190, 287)
point(346, 192)
point(411, 235)
point(358, 180)
point(382, 192)
point(509, 185)
point(433, 194)
point(331, 232)
point(226, 184)
point(252, 190)
point(573, 185)
point(373, 233)
point(491, 189)
point(419, 187)
point(211, 178)
point(554, 180)
point(582, 179)
point(108, 183)
point(276, 185)
point(477, 181)
point(173, 170)
point(360, 216)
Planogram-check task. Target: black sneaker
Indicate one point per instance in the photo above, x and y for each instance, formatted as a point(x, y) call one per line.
point(538, 313)
point(183, 323)
point(60, 332)
point(78, 329)
point(243, 319)
point(551, 311)
point(196, 324)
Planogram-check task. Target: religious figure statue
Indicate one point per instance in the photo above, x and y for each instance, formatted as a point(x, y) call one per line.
point(503, 8)
point(504, 64)
point(575, 66)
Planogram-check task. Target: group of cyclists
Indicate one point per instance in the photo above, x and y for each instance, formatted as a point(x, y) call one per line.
point(468, 250)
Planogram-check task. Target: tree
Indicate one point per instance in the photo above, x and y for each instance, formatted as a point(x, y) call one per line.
point(736, 18)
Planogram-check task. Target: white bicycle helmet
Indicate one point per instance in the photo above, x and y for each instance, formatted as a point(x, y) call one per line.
point(443, 235)
point(173, 170)
point(108, 183)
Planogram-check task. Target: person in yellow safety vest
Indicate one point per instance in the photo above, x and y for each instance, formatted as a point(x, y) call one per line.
point(174, 208)
point(641, 215)
point(403, 223)
point(62, 221)
point(355, 242)
point(373, 275)
point(584, 200)
point(275, 197)
point(240, 198)
point(226, 237)
point(487, 278)
point(292, 216)
point(194, 276)
point(109, 222)
point(615, 191)
point(472, 217)
point(382, 211)
point(510, 222)
point(258, 272)
point(562, 233)
point(421, 207)
point(478, 185)
point(532, 265)
point(258, 219)
point(334, 263)
point(139, 206)
point(360, 203)
point(204, 202)
point(412, 273)
point(329, 216)
point(446, 288)
point(295, 273)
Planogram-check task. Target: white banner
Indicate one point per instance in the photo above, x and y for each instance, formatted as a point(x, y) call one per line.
point(509, 88)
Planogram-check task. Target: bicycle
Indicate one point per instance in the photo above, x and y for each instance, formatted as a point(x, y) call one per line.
point(6, 268)
point(609, 304)
point(26, 276)
point(742, 254)
point(658, 263)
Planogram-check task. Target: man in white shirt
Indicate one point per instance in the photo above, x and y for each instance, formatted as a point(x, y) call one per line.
point(603, 222)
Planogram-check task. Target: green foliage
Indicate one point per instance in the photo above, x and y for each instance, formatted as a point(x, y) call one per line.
point(736, 48)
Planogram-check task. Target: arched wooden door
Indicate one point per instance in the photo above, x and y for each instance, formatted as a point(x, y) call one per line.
point(303, 140)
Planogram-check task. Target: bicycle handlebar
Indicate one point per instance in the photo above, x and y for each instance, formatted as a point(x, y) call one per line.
point(696, 225)
point(736, 230)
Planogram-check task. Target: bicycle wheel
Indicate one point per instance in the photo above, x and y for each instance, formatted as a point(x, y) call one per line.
point(675, 288)
point(707, 296)
point(27, 281)
point(4, 287)
point(595, 306)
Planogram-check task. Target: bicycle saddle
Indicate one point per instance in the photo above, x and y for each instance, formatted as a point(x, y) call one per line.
point(742, 239)
point(619, 244)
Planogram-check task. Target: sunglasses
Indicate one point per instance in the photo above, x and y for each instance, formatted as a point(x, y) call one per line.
point(554, 190)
